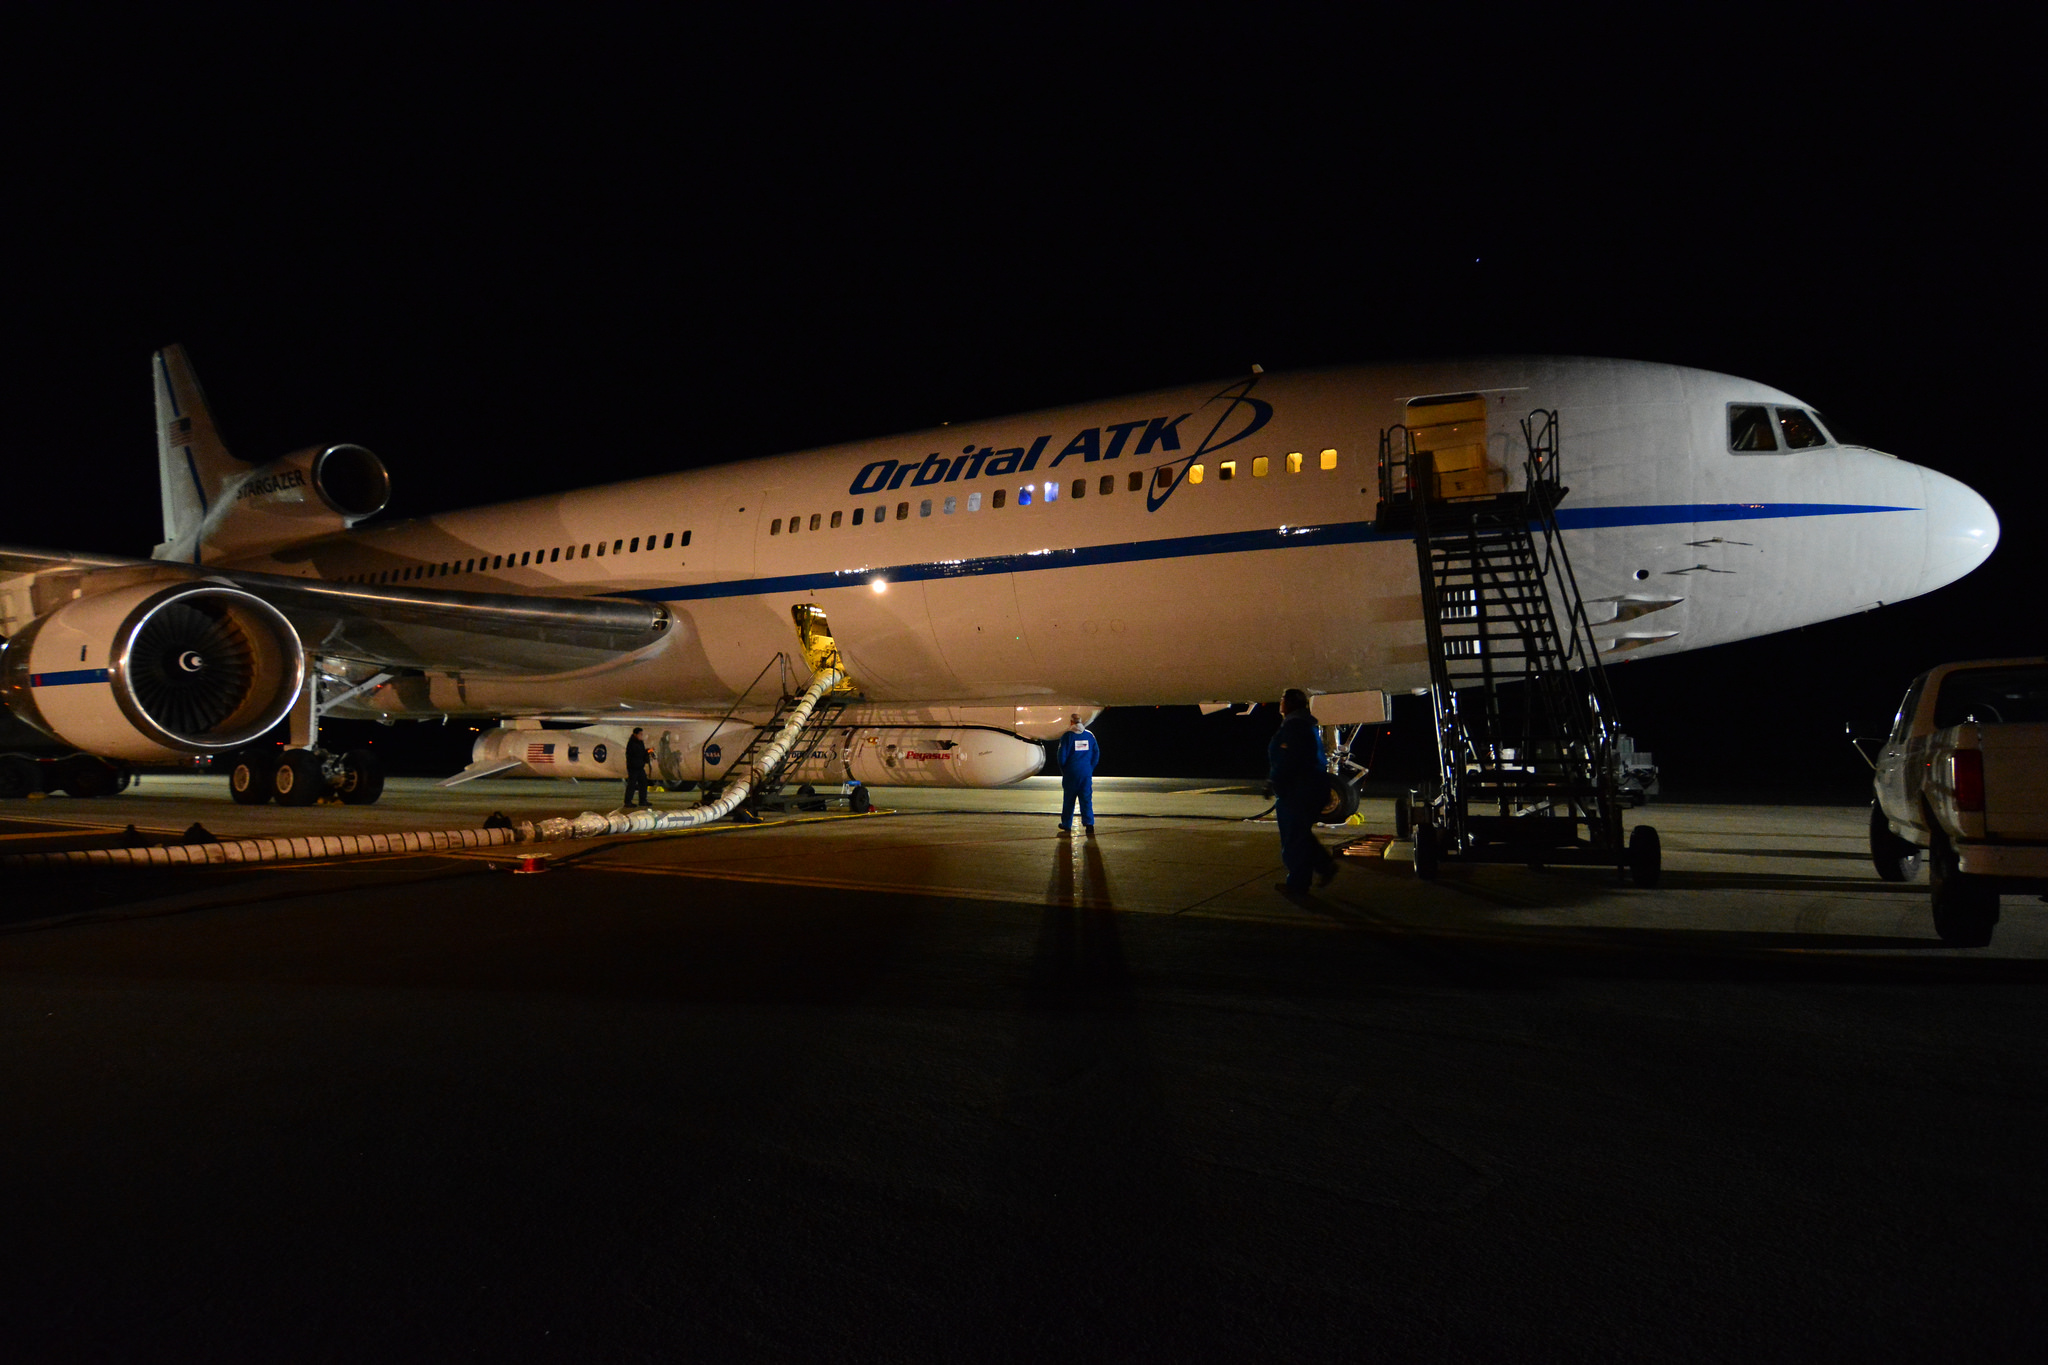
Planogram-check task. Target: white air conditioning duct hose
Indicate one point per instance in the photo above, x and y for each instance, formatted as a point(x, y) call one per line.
point(590, 824)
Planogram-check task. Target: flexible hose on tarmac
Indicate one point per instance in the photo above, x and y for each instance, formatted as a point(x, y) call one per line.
point(589, 825)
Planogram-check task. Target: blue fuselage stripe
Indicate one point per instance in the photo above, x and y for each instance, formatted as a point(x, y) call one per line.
point(74, 676)
point(1230, 542)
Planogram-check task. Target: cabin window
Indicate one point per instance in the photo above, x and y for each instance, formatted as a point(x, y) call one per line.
point(903, 511)
point(1259, 463)
point(554, 554)
point(668, 540)
point(924, 507)
point(618, 547)
point(1194, 473)
point(497, 561)
point(995, 499)
point(1329, 460)
point(814, 523)
point(835, 521)
point(952, 506)
point(650, 541)
point(525, 558)
point(1226, 470)
point(974, 502)
point(634, 548)
point(1107, 486)
point(1136, 481)
point(1024, 496)
point(858, 512)
point(1294, 462)
point(1052, 491)
point(1749, 428)
point(686, 537)
point(471, 568)
point(586, 551)
point(1162, 476)
point(775, 527)
point(1080, 488)
point(600, 549)
point(1801, 431)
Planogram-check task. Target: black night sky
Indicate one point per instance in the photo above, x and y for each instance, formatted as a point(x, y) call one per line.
point(519, 257)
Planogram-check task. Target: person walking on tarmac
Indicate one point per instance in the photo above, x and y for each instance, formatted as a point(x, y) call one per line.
point(1079, 753)
point(1301, 784)
point(636, 770)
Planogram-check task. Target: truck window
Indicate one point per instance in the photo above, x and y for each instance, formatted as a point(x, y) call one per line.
point(1903, 722)
point(2016, 695)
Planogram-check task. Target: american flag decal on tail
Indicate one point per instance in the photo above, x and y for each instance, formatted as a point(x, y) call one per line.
point(540, 753)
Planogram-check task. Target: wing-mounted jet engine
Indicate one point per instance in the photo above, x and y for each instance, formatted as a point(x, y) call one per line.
point(148, 672)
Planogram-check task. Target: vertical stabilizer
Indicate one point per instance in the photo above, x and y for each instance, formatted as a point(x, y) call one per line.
point(193, 465)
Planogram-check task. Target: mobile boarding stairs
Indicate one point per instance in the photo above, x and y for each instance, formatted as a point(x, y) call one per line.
point(1529, 754)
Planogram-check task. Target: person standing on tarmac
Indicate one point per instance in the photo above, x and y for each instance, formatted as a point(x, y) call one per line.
point(636, 770)
point(1079, 753)
point(1301, 784)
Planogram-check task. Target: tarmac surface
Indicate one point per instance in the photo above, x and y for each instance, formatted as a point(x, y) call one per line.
point(938, 1084)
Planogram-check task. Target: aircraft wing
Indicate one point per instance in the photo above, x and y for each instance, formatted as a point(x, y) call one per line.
point(492, 633)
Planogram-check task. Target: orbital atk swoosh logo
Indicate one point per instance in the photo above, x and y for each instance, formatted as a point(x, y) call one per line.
point(1241, 416)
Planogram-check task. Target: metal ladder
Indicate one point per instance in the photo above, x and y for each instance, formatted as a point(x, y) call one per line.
point(1528, 765)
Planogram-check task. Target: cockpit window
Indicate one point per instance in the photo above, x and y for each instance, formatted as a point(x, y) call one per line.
point(1749, 428)
point(1801, 431)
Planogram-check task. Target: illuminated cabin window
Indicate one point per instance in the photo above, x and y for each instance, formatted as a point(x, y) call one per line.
point(952, 506)
point(924, 507)
point(1024, 496)
point(1137, 481)
point(1226, 470)
point(1052, 490)
point(881, 514)
point(835, 521)
point(1259, 464)
point(974, 502)
point(814, 521)
point(858, 512)
point(1080, 488)
point(1329, 459)
point(1294, 462)
point(1108, 485)
point(1194, 473)
point(995, 499)
point(775, 527)
point(903, 511)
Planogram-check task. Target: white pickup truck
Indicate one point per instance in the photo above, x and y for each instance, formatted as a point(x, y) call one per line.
point(1964, 775)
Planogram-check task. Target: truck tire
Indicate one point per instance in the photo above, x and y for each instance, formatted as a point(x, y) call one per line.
point(1645, 856)
point(1894, 858)
point(1965, 909)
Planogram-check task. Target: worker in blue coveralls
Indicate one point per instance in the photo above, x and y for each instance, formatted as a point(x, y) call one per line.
point(1079, 753)
point(1301, 786)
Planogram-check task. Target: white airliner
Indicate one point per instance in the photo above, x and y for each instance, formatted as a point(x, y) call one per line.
point(1199, 545)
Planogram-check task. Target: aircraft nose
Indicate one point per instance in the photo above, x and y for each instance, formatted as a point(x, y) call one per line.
point(1962, 530)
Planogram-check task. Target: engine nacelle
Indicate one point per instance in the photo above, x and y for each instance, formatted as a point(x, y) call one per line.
point(149, 672)
point(304, 494)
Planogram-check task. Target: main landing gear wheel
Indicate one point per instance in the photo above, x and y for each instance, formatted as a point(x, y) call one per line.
point(859, 802)
point(362, 778)
point(298, 780)
point(1645, 856)
point(1427, 850)
point(250, 780)
point(1965, 909)
point(1341, 804)
point(1894, 858)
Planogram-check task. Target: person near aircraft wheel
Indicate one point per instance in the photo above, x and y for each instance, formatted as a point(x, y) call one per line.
point(636, 771)
point(1079, 753)
point(1300, 788)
